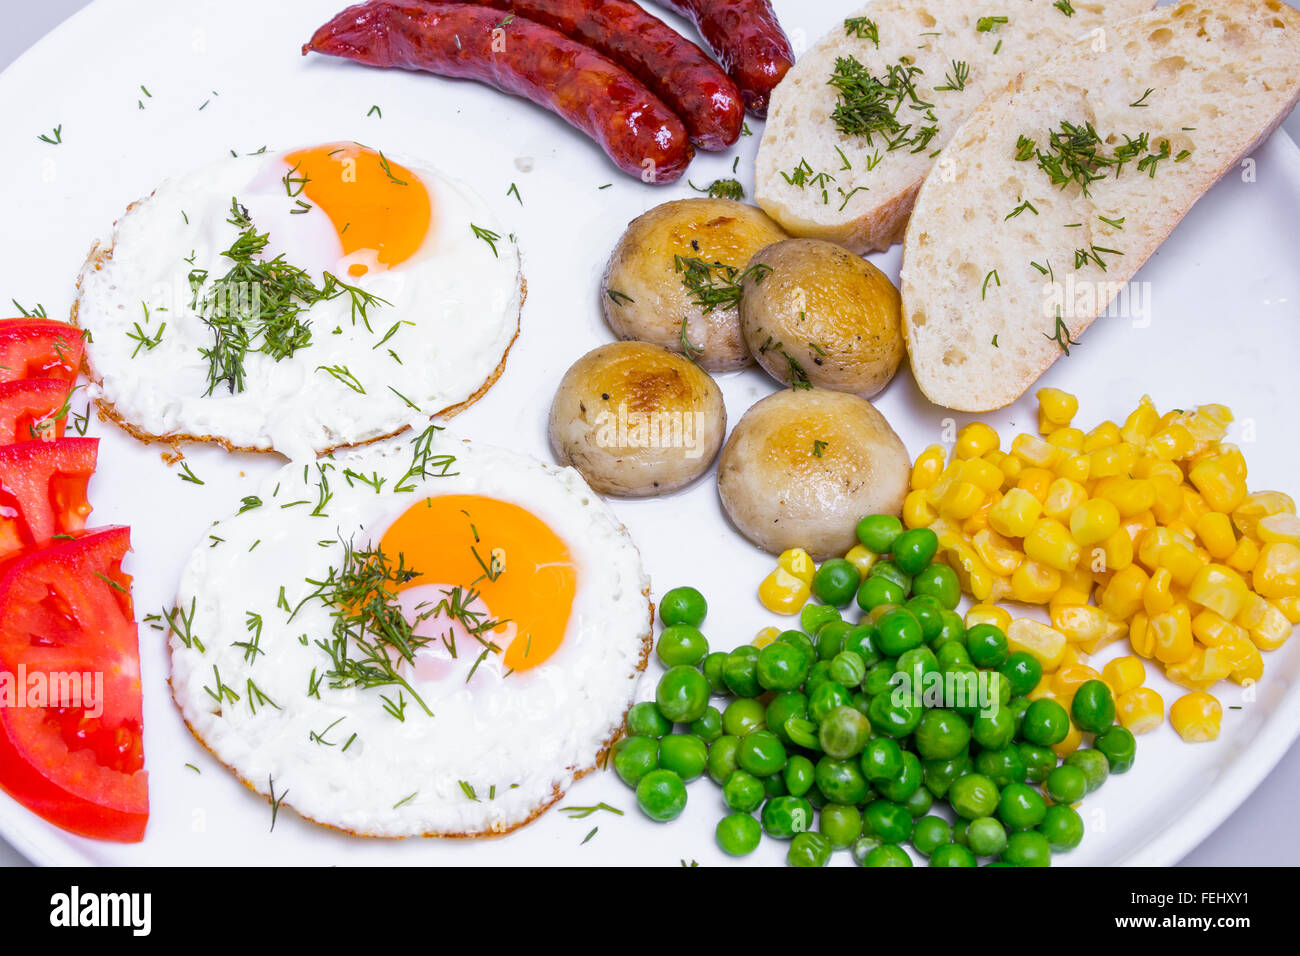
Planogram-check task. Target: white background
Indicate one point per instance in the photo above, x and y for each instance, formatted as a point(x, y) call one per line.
point(1264, 831)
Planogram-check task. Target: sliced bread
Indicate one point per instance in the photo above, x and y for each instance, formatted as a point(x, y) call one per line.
point(843, 162)
point(1062, 186)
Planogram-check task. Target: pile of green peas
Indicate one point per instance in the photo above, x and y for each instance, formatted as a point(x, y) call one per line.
point(810, 725)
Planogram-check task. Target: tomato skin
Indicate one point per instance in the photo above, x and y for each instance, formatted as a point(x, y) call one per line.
point(26, 403)
point(40, 348)
point(66, 608)
point(43, 490)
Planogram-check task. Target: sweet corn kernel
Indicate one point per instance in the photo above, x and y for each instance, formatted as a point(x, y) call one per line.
point(1158, 594)
point(1063, 496)
point(1124, 674)
point(1067, 439)
point(1103, 436)
point(1194, 505)
point(1172, 442)
point(947, 478)
point(1012, 467)
point(862, 558)
point(1140, 710)
point(1290, 608)
point(1093, 521)
point(1049, 543)
point(1244, 556)
point(987, 614)
point(1034, 451)
point(917, 512)
point(1251, 667)
point(1067, 679)
point(975, 577)
point(1074, 467)
point(928, 467)
point(1220, 589)
point(766, 636)
point(1277, 573)
point(783, 593)
point(1115, 630)
point(1224, 490)
point(1214, 530)
point(1036, 481)
point(1141, 422)
point(1073, 739)
point(1122, 597)
point(798, 562)
point(1182, 561)
point(997, 553)
point(1015, 514)
point(980, 473)
point(1268, 626)
point(980, 519)
point(1080, 622)
point(1116, 553)
point(1196, 716)
point(1212, 630)
point(1076, 587)
point(1260, 504)
point(1045, 644)
point(1059, 407)
point(1172, 633)
point(1140, 635)
point(1205, 667)
point(962, 500)
point(1279, 529)
point(975, 440)
point(1112, 460)
point(1042, 692)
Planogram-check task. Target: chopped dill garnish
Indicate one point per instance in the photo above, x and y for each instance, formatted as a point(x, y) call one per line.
point(721, 189)
point(716, 285)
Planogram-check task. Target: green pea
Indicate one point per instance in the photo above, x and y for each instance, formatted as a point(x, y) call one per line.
point(1038, 761)
point(843, 733)
point(1067, 784)
point(973, 795)
point(841, 780)
point(938, 775)
point(743, 716)
point(738, 834)
point(708, 727)
point(987, 645)
point(722, 758)
point(918, 664)
point(799, 775)
point(879, 591)
point(890, 570)
point(928, 613)
point(887, 820)
point(783, 817)
point(774, 786)
point(818, 674)
point(1003, 766)
point(683, 605)
point(880, 677)
point(802, 733)
point(1062, 827)
point(895, 715)
point(994, 729)
point(877, 532)
point(809, 849)
point(836, 582)
point(807, 645)
point(862, 848)
point(953, 654)
point(920, 802)
point(961, 832)
point(743, 792)
point(1046, 723)
point(826, 698)
point(830, 639)
point(1093, 763)
point(887, 855)
point(740, 671)
point(898, 631)
point(952, 628)
point(930, 833)
point(634, 757)
point(814, 617)
point(941, 734)
point(684, 754)
point(940, 582)
point(914, 549)
point(861, 640)
point(882, 759)
point(1021, 807)
point(840, 823)
point(782, 667)
point(1118, 747)
point(860, 702)
point(781, 708)
point(712, 667)
point(906, 784)
point(1093, 707)
point(661, 795)
point(682, 644)
point(644, 720)
point(1027, 848)
point(953, 855)
point(986, 836)
point(1023, 672)
point(962, 683)
point(761, 753)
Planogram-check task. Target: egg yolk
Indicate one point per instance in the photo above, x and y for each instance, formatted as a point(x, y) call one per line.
point(375, 205)
point(516, 564)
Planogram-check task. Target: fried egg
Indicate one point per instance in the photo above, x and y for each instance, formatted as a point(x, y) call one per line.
point(526, 613)
point(190, 336)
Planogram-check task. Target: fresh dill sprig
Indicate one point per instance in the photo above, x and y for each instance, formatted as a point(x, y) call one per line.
point(721, 189)
point(862, 28)
point(715, 285)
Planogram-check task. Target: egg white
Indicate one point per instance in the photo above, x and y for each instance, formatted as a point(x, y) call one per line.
point(518, 740)
point(457, 301)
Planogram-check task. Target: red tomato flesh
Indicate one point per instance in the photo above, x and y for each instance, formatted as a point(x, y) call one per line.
point(28, 408)
point(39, 348)
point(43, 490)
point(66, 609)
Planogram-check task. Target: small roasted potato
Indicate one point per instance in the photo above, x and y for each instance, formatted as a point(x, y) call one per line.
point(673, 279)
point(803, 466)
point(637, 420)
point(823, 315)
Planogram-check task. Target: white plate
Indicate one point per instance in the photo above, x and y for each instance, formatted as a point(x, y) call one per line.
point(1225, 328)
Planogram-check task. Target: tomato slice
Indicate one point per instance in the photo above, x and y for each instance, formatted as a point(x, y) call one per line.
point(40, 348)
point(43, 490)
point(76, 761)
point(32, 408)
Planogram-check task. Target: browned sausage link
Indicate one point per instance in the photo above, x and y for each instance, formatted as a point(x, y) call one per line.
point(682, 74)
point(641, 135)
point(747, 39)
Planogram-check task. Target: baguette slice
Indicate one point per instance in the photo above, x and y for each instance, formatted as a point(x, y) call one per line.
point(866, 206)
point(982, 292)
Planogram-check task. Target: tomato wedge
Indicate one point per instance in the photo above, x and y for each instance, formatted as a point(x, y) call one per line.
point(32, 408)
point(43, 490)
point(77, 761)
point(40, 348)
